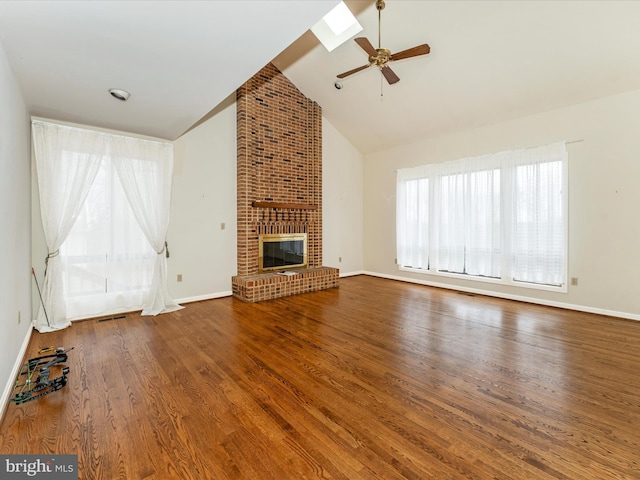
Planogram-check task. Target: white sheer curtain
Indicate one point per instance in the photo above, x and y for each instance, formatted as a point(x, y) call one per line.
point(502, 216)
point(449, 217)
point(484, 252)
point(539, 214)
point(451, 222)
point(67, 160)
point(412, 218)
point(145, 169)
point(107, 260)
point(469, 220)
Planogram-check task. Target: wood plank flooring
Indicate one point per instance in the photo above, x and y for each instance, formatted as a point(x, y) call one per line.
point(376, 379)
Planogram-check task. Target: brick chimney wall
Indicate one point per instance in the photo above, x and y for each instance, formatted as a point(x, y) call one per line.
point(279, 134)
point(279, 160)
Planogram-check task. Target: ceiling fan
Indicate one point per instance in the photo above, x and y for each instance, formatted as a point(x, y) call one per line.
point(380, 57)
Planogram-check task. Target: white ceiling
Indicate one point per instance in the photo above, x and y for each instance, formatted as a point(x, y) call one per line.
point(490, 61)
point(178, 59)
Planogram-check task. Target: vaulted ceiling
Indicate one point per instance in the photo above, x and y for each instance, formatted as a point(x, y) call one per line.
point(490, 61)
point(178, 59)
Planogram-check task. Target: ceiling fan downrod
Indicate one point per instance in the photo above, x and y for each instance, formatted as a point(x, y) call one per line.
point(379, 6)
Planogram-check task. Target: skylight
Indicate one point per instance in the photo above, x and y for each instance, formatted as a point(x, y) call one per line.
point(336, 27)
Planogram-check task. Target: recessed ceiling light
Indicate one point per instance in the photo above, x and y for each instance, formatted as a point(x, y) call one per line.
point(121, 95)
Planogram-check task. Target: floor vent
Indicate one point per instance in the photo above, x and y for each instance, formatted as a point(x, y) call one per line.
point(111, 318)
point(467, 294)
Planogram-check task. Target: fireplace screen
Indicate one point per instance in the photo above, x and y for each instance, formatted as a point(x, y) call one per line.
point(279, 252)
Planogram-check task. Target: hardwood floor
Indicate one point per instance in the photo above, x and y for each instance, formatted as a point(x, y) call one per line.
point(376, 379)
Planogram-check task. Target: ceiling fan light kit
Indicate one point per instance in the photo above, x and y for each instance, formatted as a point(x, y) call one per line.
point(380, 57)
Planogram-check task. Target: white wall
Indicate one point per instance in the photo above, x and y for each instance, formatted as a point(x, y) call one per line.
point(203, 198)
point(342, 209)
point(604, 197)
point(15, 227)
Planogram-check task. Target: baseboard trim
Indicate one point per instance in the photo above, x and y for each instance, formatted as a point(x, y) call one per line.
point(519, 298)
point(352, 274)
point(9, 387)
point(200, 298)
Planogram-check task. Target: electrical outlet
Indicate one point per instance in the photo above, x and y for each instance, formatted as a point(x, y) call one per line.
point(179, 277)
point(574, 281)
point(340, 259)
point(19, 319)
point(222, 226)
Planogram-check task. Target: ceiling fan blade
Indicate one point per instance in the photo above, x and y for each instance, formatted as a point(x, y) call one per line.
point(411, 52)
point(355, 70)
point(389, 75)
point(365, 44)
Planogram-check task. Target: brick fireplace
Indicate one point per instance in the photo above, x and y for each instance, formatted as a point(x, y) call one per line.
point(279, 191)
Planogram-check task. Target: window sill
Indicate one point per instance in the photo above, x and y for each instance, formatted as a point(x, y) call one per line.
point(493, 281)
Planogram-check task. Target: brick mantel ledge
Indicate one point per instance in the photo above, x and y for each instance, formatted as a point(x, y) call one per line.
point(284, 206)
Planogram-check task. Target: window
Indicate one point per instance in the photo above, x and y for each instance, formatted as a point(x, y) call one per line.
point(539, 227)
point(69, 161)
point(469, 226)
point(413, 231)
point(107, 260)
point(500, 217)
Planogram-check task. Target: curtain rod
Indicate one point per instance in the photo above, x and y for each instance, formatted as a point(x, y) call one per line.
point(99, 130)
point(539, 146)
point(566, 143)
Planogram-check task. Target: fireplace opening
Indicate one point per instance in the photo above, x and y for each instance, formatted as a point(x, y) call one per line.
point(282, 251)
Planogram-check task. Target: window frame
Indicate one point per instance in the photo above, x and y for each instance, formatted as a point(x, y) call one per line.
point(507, 163)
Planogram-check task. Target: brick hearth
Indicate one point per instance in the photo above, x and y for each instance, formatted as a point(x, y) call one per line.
point(279, 134)
point(266, 286)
